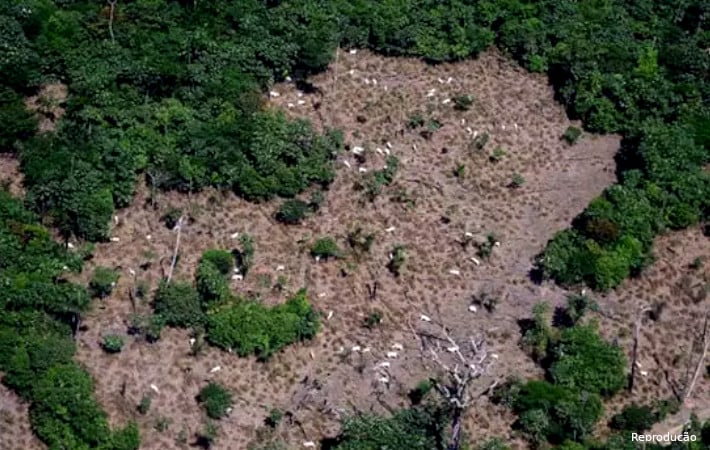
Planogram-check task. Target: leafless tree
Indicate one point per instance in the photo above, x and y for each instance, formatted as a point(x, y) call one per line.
point(112, 10)
point(459, 364)
point(704, 344)
point(642, 312)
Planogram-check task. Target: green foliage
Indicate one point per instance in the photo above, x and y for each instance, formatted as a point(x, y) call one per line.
point(112, 343)
point(171, 217)
point(485, 248)
point(517, 181)
point(555, 413)
point(212, 272)
point(417, 428)
point(16, 123)
point(179, 304)
point(416, 120)
point(372, 320)
point(293, 211)
point(634, 418)
point(493, 444)
point(537, 337)
point(274, 418)
point(360, 241)
point(398, 258)
point(584, 362)
point(215, 399)
point(497, 155)
point(148, 326)
point(417, 394)
point(571, 135)
point(222, 260)
point(372, 183)
point(102, 282)
point(245, 257)
point(144, 405)
point(249, 327)
point(463, 102)
point(325, 248)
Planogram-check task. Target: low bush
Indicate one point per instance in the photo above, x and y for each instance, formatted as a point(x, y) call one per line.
point(102, 282)
point(572, 134)
point(634, 418)
point(112, 343)
point(179, 304)
point(293, 211)
point(463, 102)
point(325, 248)
point(248, 327)
point(398, 257)
point(215, 399)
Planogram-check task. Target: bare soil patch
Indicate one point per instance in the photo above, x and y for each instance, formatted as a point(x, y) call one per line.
point(15, 432)
point(428, 210)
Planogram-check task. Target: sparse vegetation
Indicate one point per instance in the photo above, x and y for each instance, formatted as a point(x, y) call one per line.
point(517, 181)
point(398, 258)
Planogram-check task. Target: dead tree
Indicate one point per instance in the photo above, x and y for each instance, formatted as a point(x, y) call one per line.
point(704, 344)
point(643, 310)
point(178, 228)
point(112, 10)
point(459, 364)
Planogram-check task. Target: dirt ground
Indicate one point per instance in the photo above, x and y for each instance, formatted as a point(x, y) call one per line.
point(428, 209)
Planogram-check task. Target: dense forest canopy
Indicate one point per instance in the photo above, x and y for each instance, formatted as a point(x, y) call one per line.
point(173, 91)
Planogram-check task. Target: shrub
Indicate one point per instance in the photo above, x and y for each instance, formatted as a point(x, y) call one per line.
point(216, 400)
point(360, 241)
point(517, 181)
point(274, 418)
point(144, 405)
point(398, 257)
point(554, 413)
point(102, 282)
point(171, 217)
point(211, 281)
point(480, 141)
point(245, 257)
point(571, 135)
point(325, 248)
point(497, 155)
point(179, 304)
point(148, 326)
point(634, 418)
point(292, 211)
point(112, 343)
point(463, 102)
point(537, 338)
point(373, 319)
point(417, 394)
point(583, 361)
point(249, 327)
point(415, 121)
point(485, 248)
point(220, 259)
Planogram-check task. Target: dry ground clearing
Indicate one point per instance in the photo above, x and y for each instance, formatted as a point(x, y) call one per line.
point(428, 209)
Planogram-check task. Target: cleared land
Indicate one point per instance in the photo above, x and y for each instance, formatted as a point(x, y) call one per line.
point(429, 209)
